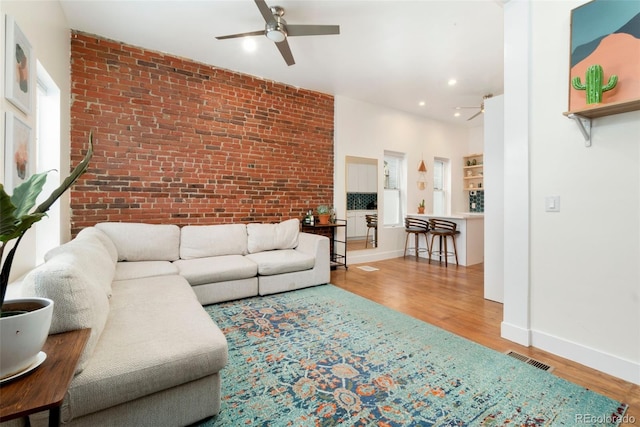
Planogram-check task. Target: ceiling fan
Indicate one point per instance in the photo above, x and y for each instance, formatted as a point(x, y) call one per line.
point(277, 30)
point(484, 98)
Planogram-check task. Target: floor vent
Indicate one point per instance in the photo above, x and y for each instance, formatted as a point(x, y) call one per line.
point(530, 361)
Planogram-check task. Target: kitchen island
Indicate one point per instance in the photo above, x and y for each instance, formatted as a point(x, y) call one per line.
point(470, 241)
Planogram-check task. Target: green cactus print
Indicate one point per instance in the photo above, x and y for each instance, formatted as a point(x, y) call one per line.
point(593, 84)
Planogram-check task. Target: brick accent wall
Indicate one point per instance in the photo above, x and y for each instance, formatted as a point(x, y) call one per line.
point(181, 142)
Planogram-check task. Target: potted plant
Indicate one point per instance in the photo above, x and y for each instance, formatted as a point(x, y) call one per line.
point(421, 207)
point(323, 214)
point(24, 323)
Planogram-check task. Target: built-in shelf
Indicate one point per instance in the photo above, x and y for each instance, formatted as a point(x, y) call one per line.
point(472, 166)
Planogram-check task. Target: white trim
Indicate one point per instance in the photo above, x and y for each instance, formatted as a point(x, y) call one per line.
point(515, 333)
point(608, 363)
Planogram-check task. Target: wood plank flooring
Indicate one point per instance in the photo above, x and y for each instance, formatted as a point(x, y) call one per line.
point(452, 299)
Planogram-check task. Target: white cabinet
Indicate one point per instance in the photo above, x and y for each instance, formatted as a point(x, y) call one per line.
point(357, 223)
point(353, 180)
point(351, 224)
point(362, 178)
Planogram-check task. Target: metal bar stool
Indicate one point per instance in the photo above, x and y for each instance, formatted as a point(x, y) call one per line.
point(372, 222)
point(443, 229)
point(416, 226)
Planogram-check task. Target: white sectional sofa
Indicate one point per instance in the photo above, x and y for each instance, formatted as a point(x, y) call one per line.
point(154, 356)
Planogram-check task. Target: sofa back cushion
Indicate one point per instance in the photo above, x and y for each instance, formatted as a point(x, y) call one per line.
point(201, 241)
point(143, 242)
point(79, 299)
point(267, 237)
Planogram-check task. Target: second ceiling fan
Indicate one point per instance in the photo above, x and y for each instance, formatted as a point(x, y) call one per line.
point(484, 98)
point(277, 30)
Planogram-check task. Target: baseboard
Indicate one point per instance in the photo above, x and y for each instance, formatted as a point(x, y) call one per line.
point(515, 333)
point(596, 359)
point(360, 257)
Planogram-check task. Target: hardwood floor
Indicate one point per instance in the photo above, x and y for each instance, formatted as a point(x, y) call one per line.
point(452, 299)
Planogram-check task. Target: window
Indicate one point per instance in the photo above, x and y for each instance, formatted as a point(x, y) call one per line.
point(441, 178)
point(48, 234)
point(394, 179)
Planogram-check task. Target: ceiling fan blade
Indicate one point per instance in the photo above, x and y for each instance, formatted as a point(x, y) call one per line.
point(285, 51)
point(312, 30)
point(265, 10)
point(475, 115)
point(235, 36)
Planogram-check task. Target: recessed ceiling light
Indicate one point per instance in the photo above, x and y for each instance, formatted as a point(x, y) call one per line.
point(456, 114)
point(249, 44)
point(452, 82)
point(422, 103)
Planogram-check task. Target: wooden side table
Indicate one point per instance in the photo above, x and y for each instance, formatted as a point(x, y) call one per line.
point(46, 386)
point(337, 258)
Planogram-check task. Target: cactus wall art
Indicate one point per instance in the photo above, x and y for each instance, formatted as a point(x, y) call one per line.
point(604, 64)
point(593, 84)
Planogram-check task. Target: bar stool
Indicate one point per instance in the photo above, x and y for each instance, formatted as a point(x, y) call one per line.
point(372, 223)
point(443, 229)
point(416, 226)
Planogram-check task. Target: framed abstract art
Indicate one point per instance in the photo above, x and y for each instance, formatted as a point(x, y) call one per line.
point(19, 157)
point(19, 67)
point(604, 57)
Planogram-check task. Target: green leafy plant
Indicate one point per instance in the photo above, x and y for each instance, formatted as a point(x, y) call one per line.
point(323, 209)
point(421, 204)
point(16, 215)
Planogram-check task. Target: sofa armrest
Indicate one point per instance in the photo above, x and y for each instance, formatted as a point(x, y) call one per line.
point(313, 244)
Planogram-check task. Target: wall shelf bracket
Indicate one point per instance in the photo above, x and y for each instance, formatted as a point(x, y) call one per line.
point(584, 124)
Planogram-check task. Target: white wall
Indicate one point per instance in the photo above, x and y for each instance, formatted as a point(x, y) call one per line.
point(494, 199)
point(584, 280)
point(45, 26)
point(367, 130)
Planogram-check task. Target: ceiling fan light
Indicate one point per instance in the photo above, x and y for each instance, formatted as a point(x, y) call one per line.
point(276, 32)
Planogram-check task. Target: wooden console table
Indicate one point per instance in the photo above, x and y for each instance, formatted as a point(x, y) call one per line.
point(46, 386)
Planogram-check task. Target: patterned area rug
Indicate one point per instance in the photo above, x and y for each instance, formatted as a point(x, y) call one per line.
point(325, 357)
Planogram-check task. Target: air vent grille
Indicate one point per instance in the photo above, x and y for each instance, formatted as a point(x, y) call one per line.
point(530, 361)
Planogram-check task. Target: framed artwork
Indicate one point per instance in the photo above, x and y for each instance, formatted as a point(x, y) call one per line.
point(607, 34)
point(19, 158)
point(19, 67)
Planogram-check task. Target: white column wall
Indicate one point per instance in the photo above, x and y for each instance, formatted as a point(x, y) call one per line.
point(580, 283)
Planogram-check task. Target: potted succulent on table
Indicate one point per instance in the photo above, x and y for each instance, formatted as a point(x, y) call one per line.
point(25, 322)
point(421, 207)
point(324, 212)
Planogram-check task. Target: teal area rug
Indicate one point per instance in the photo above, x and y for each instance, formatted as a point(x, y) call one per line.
point(325, 357)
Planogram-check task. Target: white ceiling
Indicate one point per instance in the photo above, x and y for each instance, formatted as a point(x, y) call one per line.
point(391, 53)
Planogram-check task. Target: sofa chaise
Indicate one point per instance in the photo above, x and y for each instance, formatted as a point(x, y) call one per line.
point(154, 356)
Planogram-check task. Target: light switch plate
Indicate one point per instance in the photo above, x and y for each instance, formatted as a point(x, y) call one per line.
point(552, 203)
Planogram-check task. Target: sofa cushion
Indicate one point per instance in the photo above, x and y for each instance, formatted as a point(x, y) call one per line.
point(126, 270)
point(216, 269)
point(91, 257)
point(200, 241)
point(143, 242)
point(158, 336)
point(283, 261)
point(267, 237)
point(79, 299)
